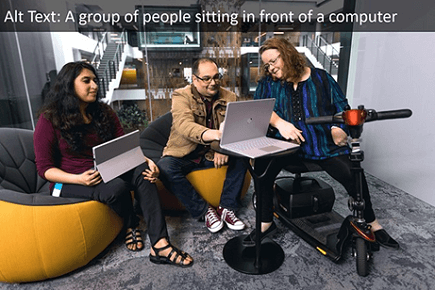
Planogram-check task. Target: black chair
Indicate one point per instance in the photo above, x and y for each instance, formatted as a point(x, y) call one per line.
point(17, 163)
point(298, 183)
point(153, 139)
point(303, 195)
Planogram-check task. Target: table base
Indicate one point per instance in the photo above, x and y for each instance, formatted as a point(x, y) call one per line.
point(243, 259)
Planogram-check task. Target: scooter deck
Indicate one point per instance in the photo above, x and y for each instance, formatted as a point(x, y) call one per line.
point(319, 230)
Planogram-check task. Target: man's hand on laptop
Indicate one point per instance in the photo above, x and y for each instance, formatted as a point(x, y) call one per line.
point(220, 160)
point(221, 126)
point(152, 173)
point(211, 135)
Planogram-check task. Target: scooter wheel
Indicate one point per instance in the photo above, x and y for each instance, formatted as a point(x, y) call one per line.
point(362, 257)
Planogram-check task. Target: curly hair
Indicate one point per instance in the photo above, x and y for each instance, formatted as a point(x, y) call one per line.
point(294, 62)
point(62, 108)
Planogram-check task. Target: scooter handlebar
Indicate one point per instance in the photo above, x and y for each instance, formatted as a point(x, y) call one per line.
point(372, 115)
point(322, 120)
point(385, 115)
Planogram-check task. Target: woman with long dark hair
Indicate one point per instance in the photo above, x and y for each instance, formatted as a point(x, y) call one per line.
point(72, 121)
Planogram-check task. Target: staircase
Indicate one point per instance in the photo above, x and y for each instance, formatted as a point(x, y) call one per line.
point(108, 67)
point(109, 61)
point(322, 53)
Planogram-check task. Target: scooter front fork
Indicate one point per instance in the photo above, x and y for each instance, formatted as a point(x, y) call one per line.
point(362, 230)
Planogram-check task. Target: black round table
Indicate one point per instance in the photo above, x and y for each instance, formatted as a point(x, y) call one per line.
point(267, 256)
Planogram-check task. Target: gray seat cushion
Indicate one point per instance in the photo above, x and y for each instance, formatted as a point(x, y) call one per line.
point(19, 180)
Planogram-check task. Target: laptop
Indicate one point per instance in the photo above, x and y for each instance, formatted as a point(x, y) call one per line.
point(118, 156)
point(245, 128)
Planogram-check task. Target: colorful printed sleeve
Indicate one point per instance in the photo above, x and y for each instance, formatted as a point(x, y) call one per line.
point(338, 98)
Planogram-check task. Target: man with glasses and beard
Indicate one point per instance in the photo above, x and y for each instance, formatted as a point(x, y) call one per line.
point(198, 111)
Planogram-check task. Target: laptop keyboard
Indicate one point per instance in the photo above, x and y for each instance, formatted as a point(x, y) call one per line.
point(251, 144)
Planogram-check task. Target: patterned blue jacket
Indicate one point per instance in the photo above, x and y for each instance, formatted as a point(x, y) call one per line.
point(319, 95)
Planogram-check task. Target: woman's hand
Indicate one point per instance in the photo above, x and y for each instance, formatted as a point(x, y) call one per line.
point(286, 129)
point(220, 159)
point(152, 173)
point(89, 178)
point(290, 132)
point(339, 136)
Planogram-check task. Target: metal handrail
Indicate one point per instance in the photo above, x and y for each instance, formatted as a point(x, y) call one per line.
point(112, 66)
point(99, 50)
point(322, 42)
point(325, 60)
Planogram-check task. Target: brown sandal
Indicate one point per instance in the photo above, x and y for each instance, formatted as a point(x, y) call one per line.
point(134, 237)
point(172, 257)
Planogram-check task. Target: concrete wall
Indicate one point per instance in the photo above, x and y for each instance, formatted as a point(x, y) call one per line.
point(393, 71)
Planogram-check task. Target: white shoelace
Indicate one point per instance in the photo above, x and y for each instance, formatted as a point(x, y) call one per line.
point(232, 216)
point(212, 216)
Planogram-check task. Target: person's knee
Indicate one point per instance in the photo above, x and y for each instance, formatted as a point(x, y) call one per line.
point(164, 164)
point(169, 167)
point(238, 162)
point(118, 190)
point(139, 169)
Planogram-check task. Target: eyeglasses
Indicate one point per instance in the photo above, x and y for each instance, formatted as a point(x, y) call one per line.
point(217, 78)
point(271, 62)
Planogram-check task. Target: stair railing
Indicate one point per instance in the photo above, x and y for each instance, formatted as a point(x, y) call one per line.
point(329, 49)
point(99, 50)
point(112, 66)
point(322, 57)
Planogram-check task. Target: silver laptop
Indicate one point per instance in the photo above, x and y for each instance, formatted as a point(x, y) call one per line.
point(245, 129)
point(118, 156)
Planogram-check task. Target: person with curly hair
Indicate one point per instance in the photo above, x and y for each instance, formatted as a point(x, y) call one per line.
point(71, 122)
point(302, 92)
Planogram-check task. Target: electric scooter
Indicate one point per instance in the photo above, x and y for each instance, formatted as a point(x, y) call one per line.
point(329, 232)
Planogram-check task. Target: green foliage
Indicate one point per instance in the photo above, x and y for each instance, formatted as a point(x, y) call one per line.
point(131, 117)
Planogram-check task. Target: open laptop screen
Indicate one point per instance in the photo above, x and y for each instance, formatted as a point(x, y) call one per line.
point(246, 120)
point(118, 156)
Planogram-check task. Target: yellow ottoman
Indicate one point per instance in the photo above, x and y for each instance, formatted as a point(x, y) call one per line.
point(207, 182)
point(42, 236)
point(46, 241)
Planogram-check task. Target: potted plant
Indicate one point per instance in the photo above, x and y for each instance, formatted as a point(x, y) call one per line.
point(131, 117)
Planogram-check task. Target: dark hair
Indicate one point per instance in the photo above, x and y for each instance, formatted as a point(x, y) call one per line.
point(199, 61)
point(294, 62)
point(62, 108)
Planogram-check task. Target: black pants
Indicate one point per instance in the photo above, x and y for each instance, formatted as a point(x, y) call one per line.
point(337, 167)
point(116, 194)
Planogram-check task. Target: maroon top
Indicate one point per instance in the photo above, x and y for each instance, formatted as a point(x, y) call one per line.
point(53, 151)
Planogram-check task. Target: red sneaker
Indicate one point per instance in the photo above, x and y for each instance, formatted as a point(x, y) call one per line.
point(213, 221)
point(230, 219)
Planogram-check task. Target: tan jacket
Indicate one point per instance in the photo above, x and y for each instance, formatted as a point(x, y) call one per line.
point(189, 120)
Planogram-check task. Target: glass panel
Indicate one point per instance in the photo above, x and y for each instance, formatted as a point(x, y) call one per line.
point(159, 28)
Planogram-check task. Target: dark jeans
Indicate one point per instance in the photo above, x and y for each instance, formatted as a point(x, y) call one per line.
point(173, 173)
point(116, 194)
point(337, 167)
